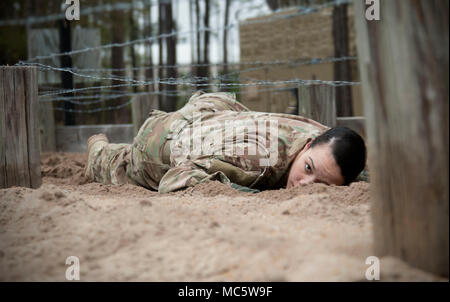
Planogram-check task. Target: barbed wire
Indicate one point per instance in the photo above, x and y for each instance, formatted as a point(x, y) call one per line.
point(166, 93)
point(296, 61)
point(222, 78)
point(172, 93)
point(95, 110)
point(296, 81)
point(301, 11)
point(176, 82)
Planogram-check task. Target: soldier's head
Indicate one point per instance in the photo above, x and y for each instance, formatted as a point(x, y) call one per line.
point(336, 157)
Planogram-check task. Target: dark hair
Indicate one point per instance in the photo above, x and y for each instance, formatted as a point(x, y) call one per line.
point(349, 151)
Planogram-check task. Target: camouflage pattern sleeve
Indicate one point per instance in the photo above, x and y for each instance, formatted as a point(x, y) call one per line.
point(244, 189)
point(187, 174)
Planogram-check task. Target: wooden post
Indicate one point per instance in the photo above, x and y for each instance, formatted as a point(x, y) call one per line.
point(404, 65)
point(342, 69)
point(19, 128)
point(318, 102)
point(141, 106)
point(47, 132)
point(356, 123)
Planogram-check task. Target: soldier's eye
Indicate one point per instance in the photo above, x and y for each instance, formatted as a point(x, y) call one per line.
point(307, 168)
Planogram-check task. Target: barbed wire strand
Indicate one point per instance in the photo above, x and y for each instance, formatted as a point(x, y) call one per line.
point(173, 93)
point(159, 93)
point(297, 61)
point(224, 77)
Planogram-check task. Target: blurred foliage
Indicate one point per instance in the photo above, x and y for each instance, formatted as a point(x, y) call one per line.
point(278, 4)
point(13, 45)
point(13, 39)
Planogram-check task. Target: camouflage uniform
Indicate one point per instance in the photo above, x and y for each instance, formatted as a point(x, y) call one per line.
point(156, 159)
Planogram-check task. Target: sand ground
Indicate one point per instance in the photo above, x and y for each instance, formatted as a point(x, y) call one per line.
point(207, 233)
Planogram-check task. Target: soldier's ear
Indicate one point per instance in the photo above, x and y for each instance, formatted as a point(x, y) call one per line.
point(308, 145)
point(305, 147)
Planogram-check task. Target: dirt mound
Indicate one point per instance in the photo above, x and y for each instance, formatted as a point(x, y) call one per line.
point(212, 189)
point(68, 168)
point(357, 192)
point(125, 190)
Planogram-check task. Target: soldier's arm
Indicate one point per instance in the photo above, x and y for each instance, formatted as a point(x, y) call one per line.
point(244, 189)
point(192, 172)
point(185, 175)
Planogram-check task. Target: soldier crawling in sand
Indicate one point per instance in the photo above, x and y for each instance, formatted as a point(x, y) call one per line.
point(214, 137)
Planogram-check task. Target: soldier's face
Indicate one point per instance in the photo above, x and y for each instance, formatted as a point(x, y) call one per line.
point(315, 165)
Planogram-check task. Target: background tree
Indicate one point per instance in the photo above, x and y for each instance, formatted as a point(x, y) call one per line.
point(161, 30)
point(122, 115)
point(202, 71)
point(199, 60)
point(342, 69)
point(148, 30)
point(171, 70)
point(278, 4)
point(133, 36)
point(225, 36)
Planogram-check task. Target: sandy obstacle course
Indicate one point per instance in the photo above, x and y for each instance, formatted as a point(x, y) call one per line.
point(207, 233)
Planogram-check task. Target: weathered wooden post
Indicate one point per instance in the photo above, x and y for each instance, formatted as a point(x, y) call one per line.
point(141, 106)
point(356, 123)
point(19, 128)
point(318, 102)
point(47, 132)
point(404, 65)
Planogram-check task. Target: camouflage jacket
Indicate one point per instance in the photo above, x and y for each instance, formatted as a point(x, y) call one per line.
point(214, 137)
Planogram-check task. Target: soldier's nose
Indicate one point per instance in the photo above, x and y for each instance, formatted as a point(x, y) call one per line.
point(306, 181)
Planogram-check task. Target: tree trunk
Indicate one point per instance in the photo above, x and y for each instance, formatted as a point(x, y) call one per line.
point(149, 32)
point(404, 65)
point(161, 69)
point(191, 28)
point(65, 45)
point(171, 70)
point(225, 36)
point(342, 69)
point(207, 34)
point(133, 36)
point(198, 71)
point(122, 115)
point(203, 70)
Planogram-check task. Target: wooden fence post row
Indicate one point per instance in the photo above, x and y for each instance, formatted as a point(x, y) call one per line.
point(404, 66)
point(318, 102)
point(47, 130)
point(19, 128)
point(140, 108)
